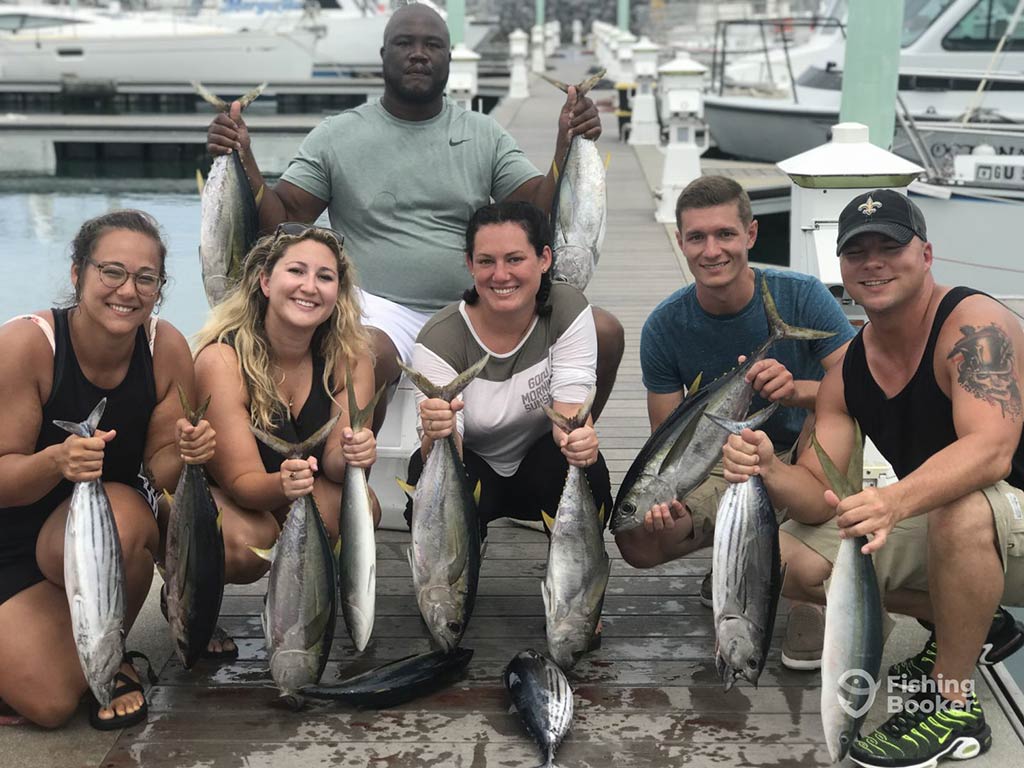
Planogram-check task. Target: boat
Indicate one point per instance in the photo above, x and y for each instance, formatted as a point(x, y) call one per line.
point(948, 48)
point(60, 44)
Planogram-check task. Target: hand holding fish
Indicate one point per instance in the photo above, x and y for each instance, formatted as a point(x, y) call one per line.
point(228, 132)
point(579, 446)
point(359, 448)
point(870, 512)
point(746, 454)
point(196, 444)
point(579, 117)
point(771, 380)
point(297, 477)
point(438, 417)
point(662, 517)
point(80, 459)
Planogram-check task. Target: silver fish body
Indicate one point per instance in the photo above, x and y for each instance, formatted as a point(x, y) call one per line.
point(580, 215)
point(577, 573)
point(298, 618)
point(229, 217)
point(194, 565)
point(852, 654)
point(357, 562)
point(445, 551)
point(746, 580)
point(543, 697)
point(94, 578)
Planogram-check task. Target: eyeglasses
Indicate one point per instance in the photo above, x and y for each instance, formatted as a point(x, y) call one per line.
point(297, 229)
point(147, 282)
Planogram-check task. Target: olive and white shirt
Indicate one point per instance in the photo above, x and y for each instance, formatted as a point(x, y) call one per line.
point(502, 418)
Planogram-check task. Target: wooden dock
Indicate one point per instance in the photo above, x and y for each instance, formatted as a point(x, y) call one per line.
point(649, 697)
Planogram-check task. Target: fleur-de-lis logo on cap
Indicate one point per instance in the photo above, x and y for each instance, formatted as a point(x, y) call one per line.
point(869, 206)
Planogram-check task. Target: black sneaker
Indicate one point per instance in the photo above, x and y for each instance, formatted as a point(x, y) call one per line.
point(1005, 637)
point(928, 729)
point(706, 598)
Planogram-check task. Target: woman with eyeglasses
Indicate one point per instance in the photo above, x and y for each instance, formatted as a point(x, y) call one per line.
point(58, 364)
point(543, 351)
point(273, 354)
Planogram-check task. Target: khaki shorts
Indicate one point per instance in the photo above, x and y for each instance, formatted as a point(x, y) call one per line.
point(704, 500)
point(903, 562)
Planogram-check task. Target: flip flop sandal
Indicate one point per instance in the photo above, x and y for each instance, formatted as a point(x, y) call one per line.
point(123, 685)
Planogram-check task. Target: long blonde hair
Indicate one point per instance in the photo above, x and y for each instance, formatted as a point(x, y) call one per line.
point(239, 322)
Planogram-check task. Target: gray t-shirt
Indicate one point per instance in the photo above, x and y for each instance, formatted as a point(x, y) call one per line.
point(402, 193)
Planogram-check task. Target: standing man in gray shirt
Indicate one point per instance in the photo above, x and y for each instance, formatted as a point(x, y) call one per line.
point(401, 178)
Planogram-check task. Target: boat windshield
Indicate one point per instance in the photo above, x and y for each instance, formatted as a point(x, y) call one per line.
point(12, 22)
point(918, 15)
point(983, 27)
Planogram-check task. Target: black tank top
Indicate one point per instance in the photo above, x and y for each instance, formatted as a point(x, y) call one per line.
point(72, 398)
point(917, 423)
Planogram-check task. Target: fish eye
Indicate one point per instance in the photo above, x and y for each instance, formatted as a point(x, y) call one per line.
point(629, 508)
point(752, 663)
point(454, 627)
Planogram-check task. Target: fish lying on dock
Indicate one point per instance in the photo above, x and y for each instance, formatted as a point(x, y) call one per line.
point(579, 210)
point(578, 564)
point(94, 575)
point(229, 212)
point(542, 695)
point(302, 593)
point(445, 551)
point(852, 654)
point(357, 562)
point(396, 682)
point(747, 575)
point(658, 475)
point(194, 561)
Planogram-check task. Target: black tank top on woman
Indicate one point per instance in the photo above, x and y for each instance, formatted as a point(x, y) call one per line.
point(72, 398)
point(917, 423)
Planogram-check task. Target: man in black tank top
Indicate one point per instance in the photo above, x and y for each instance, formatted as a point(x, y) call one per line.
point(935, 381)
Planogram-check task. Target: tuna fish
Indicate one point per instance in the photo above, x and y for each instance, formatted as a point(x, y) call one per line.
point(195, 557)
point(357, 565)
point(94, 575)
point(747, 577)
point(302, 594)
point(579, 210)
point(578, 565)
point(229, 213)
point(657, 476)
point(445, 552)
point(542, 695)
point(398, 681)
point(852, 655)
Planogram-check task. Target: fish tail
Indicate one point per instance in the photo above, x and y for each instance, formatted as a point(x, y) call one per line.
point(449, 391)
point(568, 423)
point(219, 103)
point(753, 422)
point(835, 478)
point(252, 95)
point(85, 428)
point(357, 416)
point(582, 88)
point(193, 416)
point(778, 328)
point(295, 450)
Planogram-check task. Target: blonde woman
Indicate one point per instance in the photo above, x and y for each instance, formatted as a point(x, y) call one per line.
point(273, 355)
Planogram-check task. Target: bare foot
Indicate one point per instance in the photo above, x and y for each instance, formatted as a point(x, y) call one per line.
point(221, 644)
point(127, 703)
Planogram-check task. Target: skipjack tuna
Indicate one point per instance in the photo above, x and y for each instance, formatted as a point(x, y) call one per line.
point(542, 695)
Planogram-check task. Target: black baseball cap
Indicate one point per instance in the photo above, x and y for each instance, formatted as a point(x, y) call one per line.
point(883, 211)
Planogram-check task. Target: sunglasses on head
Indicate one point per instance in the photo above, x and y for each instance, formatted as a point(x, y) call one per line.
point(297, 229)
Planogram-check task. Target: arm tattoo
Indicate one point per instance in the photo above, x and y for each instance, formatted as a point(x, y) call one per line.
point(986, 367)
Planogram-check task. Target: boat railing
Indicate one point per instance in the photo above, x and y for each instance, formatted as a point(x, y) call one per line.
point(783, 26)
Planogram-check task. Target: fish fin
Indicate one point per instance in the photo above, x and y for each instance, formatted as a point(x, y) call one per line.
point(183, 566)
point(265, 554)
point(549, 521)
point(169, 497)
point(545, 596)
point(295, 450)
point(314, 629)
point(357, 416)
point(601, 514)
point(210, 98)
point(200, 182)
point(201, 413)
point(835, 478)
point(252, 95)
point(681, 443)
point(564, 423)
point(582, 88)
point(220, 518)
point(564, 87)
point(337, 547)
point(855, 470)
point(410, 490)
point(85, 428)
point(449, 391)
point(258, 197)
point(476, 492)
point(735, 427)
point(554, 170)
point(692, 389)
point(778, 327)
point(607, 160)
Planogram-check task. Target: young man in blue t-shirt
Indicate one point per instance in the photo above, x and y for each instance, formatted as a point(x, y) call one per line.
point(702, 329)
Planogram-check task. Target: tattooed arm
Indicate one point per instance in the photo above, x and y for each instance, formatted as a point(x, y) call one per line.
point(978, 363)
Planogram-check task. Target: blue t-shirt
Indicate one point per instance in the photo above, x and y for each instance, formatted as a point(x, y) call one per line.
point(681, 340)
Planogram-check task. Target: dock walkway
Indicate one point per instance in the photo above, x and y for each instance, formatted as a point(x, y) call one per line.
point(649, 697)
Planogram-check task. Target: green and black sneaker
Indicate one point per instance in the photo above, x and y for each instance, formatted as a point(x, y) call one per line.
point(1005, 637)
point(929, 729)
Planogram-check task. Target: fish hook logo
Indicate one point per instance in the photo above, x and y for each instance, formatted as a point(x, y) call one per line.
point(869, 206)
point(856, 685)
